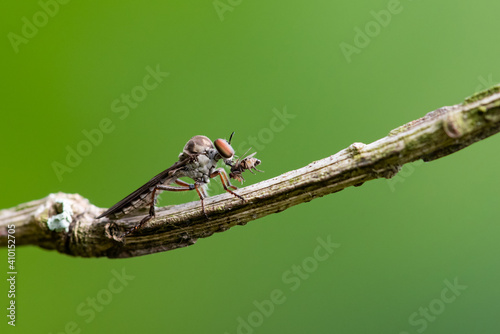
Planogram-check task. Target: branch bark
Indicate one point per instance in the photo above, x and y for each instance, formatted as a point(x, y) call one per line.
point(437, 134)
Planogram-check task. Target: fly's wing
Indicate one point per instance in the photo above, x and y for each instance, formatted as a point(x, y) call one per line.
point(251, 155)
point(145, 190)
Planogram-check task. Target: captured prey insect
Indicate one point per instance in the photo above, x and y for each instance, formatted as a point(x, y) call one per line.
point(241, 165)
point(198, 161)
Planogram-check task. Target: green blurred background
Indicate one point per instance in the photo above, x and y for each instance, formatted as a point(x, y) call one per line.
point(233, 65)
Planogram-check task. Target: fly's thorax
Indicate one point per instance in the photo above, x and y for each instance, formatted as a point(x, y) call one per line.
point(195, 146)
point(200, 168)
point(202, 157)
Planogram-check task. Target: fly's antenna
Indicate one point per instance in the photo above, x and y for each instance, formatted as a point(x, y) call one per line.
point(243, 156)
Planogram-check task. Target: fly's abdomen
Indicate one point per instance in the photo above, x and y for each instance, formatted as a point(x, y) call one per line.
point(140, 198)
point(143, 201)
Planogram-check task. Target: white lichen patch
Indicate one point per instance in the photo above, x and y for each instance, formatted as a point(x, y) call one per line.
point(62, 220)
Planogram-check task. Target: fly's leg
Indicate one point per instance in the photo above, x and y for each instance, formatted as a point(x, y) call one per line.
point(184, 186)
point(143, 221)
point(258, 170)
point(200, 190)
point(225, 182)
point(203, 194)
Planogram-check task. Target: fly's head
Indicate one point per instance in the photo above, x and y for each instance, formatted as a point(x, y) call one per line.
point(225, 150)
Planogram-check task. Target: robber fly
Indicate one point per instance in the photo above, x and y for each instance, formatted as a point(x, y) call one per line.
point(242, 165)
point(198, 161)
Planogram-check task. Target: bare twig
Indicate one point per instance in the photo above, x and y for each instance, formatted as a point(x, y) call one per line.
point(66, 222)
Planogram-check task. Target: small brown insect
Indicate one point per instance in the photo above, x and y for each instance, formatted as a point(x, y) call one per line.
point(242, 165)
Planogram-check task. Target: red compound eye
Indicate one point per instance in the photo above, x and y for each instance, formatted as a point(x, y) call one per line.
point(224, 148)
